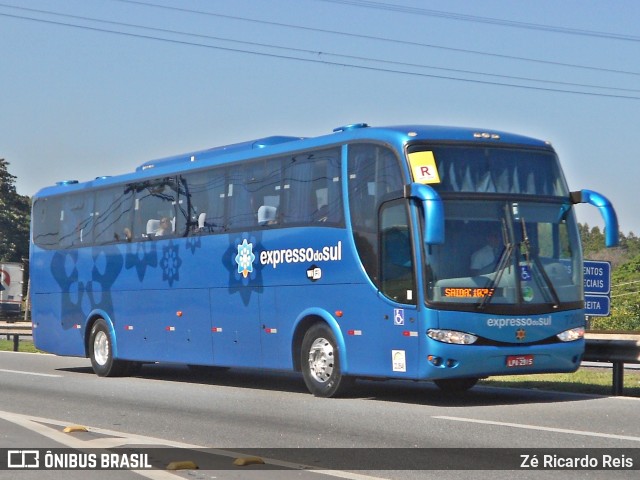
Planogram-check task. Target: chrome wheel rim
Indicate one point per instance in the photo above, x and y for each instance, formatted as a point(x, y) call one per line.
point(321, 360)
point(101, 348)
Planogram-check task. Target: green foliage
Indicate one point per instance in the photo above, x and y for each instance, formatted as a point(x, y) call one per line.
point(625, 299)
point(625, 278)
point(14, 218)
point(592, 240)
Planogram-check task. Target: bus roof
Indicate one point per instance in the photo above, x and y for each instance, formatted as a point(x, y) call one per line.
point(397, 136)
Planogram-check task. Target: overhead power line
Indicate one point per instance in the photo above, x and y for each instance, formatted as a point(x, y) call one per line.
point(319, 53)
point(487, 20)
point(382, 39)
point(308, 60)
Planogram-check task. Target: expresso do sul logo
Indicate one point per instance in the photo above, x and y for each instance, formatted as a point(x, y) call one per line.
point(330, 253)
point(245, 258)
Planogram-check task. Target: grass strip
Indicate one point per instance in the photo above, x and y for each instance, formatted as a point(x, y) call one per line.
point(592, 380)
point(23, 346)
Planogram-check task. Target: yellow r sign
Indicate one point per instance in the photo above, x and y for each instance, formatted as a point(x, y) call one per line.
point(423, 167)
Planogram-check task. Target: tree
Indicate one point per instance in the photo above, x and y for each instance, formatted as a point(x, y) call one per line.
point(593, 246)
point(14, 218)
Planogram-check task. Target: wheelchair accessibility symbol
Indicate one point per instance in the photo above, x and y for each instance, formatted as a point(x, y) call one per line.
point(525, 273)
point(398, 316)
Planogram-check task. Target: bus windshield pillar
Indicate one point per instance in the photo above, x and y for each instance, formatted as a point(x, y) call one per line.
point(606, 210)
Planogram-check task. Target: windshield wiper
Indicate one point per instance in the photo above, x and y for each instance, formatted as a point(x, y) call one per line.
point(540, 268)
point(503, 262)
point(507, 259)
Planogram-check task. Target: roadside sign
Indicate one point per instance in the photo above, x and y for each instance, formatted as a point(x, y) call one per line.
point(597, 305)
point(597, 277)
point(597, 287)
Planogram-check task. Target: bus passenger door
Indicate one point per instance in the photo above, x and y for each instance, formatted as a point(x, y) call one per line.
point(397, 283)
point(385, 339)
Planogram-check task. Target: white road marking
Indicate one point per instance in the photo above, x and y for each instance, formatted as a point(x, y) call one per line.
point(537, 427)
point(21, 372)
point(633, 399)
point(43, 426)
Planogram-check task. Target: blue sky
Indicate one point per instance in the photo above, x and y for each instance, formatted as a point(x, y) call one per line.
point(79, 101)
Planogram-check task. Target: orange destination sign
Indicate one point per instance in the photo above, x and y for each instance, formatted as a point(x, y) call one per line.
point(468, 292)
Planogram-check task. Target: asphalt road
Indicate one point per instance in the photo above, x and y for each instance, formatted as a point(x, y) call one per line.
point(240, 412)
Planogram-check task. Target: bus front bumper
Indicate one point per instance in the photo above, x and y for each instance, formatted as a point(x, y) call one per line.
point(460, 361)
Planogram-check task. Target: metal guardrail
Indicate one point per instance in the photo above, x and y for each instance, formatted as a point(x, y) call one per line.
point(16, 329)
point(614, 348)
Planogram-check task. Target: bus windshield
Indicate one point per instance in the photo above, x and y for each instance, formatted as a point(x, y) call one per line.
point(495, 170)
point(511, 242)
point(507, 253)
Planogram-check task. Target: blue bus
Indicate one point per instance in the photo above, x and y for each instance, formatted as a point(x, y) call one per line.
point(408, 252)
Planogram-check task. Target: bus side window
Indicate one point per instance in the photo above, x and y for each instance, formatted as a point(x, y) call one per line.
point(311, 188)
point(112, 215)
point(155, 200)
point(374, 173)
point(298, 175)
point(267, 191)
point(47, 214)
point(251, 186)
point(242, 211)
point(206, 192)
point(76, 221)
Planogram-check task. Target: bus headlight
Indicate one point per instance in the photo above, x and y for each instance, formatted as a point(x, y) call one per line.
point(571, 335)
point(451, 336)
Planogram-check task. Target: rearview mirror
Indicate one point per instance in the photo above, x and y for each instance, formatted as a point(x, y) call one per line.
point(433, 211)
point(606, 210)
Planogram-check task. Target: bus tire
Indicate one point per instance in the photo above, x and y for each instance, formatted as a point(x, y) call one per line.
point(320, 361)
point(101, 352)
point(455, 385)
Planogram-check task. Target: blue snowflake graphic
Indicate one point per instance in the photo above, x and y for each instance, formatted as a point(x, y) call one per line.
point(171, 263)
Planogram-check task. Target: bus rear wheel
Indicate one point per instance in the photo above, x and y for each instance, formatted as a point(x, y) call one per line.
point(101, 352)
point(455, 385)
point(320, 360)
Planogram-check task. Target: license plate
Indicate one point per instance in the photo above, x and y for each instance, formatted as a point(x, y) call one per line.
point(515, 361)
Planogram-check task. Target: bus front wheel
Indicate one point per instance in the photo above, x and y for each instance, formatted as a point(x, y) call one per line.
point(321, 363)
point(101, 352)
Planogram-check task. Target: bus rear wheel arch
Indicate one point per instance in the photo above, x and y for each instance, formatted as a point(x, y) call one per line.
point(320, 363)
